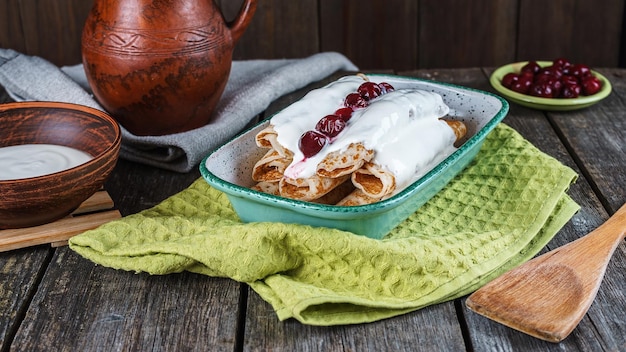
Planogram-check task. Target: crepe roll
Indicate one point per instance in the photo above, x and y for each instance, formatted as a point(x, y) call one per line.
point(268, 139)
point(373, 180)
point(344, 162)
point(458, 127)
point(271, 166)
point(267, 187)
point(310, 188)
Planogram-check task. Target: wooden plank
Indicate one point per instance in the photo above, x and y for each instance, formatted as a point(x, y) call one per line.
point(19, 276)
point(466, 33)
point(98, 201)
point(96, 212)
point(399, 34)
point(11, 34)
point(422, 330)
point(52, 29)
point(136, 187)
point(81, 306)
point(57, 232)
point(374, 35)
point(279, 29)
point(586, 31)
point(597, 136)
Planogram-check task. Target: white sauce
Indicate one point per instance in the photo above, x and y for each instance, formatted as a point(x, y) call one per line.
point(32, 160)
point(402, 127)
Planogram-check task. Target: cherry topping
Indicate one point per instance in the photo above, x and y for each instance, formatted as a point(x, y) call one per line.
point(311, 142)
point(330, 125)
point(355, 101)
point(344, 113)
point(386, 87)
point(369, 90)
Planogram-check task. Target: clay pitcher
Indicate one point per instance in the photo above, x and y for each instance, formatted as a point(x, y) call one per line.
point(160, 66)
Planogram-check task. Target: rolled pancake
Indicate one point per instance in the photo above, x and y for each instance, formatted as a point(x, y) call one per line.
point(458, 127)
point(344, 162)
point(373, 180)
point(271, 166)
point(310, 188)
point(377, 182)
point(268, 138)
point(267, 187)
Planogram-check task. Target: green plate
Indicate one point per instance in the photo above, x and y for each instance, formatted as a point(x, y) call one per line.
point(552, 104)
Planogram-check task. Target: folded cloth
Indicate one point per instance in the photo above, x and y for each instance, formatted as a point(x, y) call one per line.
point(496, 214)
point(252, 86)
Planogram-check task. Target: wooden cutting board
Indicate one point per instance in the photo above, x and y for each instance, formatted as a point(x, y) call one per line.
point(95, 211)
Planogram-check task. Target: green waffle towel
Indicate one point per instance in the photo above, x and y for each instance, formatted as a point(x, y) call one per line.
point(496, 214)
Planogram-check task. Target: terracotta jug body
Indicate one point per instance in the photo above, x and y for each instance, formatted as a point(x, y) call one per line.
point(160, 66)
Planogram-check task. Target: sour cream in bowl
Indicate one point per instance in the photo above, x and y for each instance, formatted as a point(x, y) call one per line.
point(53, 156)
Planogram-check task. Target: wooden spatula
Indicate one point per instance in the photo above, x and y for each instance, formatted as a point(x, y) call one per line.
point(549, 295)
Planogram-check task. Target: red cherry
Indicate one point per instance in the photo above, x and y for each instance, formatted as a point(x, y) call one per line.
point(311, 142)
point(527, 76)
point(344, 113)
point(567, 79)
point(531, 67)
point(509, 79)
point(551, 70)
point(541, 90)
point(580, 71)
point(369, 90)
point(331, 125)
point(591, 85)
point(386, 87)
point(561, 62)
point(570, 90)
point(522, 84)
point(556, 85)
point(355, 101)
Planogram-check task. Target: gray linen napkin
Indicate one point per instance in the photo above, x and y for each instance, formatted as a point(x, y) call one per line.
point(251, 87)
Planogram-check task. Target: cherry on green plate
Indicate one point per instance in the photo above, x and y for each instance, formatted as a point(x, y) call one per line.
point(551, 104)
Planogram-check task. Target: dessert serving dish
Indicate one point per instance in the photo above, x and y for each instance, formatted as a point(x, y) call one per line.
point(551, 104)
point(229, 169)
point(44, 176)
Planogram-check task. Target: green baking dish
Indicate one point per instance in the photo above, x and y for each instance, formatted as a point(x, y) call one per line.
point(229, 169)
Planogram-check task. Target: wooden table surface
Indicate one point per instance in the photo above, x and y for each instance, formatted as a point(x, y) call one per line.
point(52, 299)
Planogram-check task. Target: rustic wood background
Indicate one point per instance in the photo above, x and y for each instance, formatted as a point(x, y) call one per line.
point(374, 34)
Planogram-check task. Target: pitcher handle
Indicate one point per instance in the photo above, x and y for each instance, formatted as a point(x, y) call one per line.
point(241, 22)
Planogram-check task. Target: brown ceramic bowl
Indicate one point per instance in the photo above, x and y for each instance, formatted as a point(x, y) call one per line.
point(38, 200)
